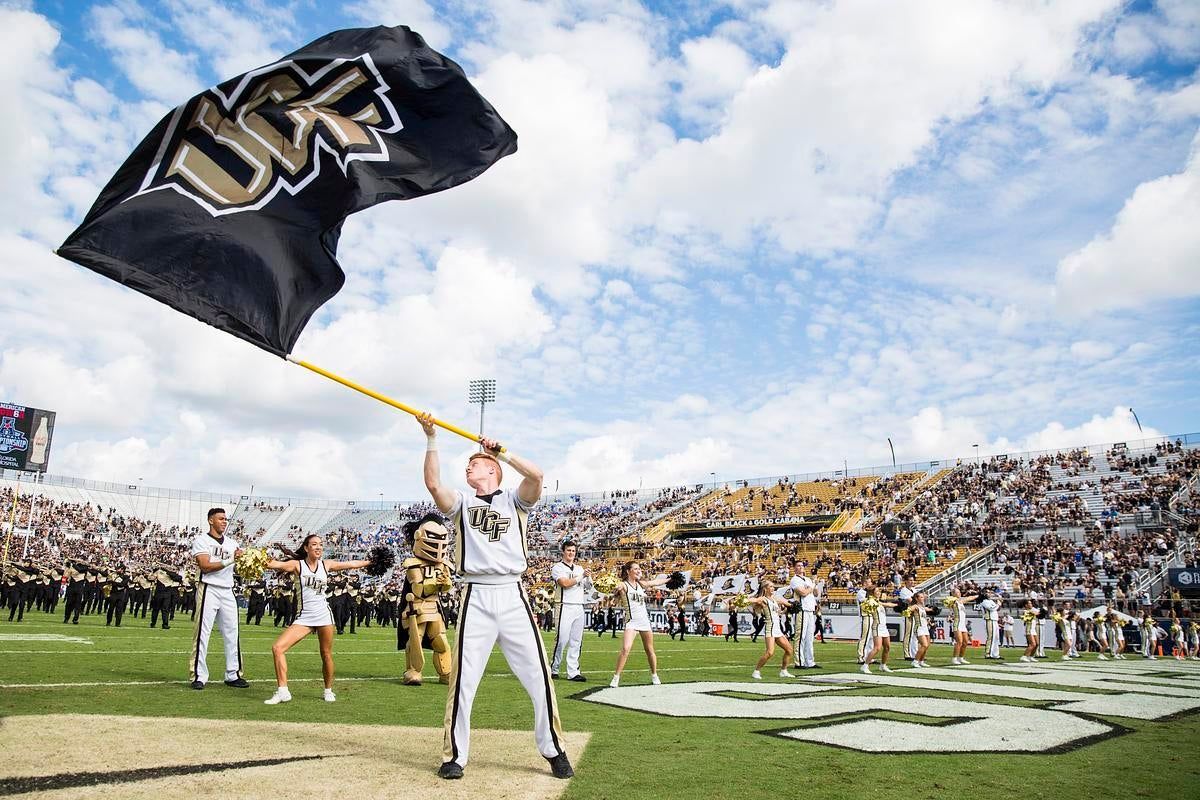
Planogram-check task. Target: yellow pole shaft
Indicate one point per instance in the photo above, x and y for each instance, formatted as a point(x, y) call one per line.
point(12, 522)
point(381, 397)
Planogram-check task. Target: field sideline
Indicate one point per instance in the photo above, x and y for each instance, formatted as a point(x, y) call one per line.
point(134, 671)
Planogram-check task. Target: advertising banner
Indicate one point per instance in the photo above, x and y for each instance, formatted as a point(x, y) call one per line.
point(25, 436)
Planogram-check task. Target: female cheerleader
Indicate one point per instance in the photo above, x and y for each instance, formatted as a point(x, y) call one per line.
point(1179, 640)
point(1116, 635)
point(637, 619)
point(312, 611)
point(918, 617)
point(1194, 640)
point(771, 609)
point(1148, 634)
point(1033, 630)
point(874, 631)
point(958, 624)
point(1100, 623)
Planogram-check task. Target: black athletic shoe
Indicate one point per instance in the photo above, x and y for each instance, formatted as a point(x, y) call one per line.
point(555, 676)
point(814, 666)
point(578, 679)
point(450, 770)
point(197, 685)
point(240, 683)
point(561, 767)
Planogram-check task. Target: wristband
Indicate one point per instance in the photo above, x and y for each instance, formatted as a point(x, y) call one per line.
point(431, 443)
point(506, 456)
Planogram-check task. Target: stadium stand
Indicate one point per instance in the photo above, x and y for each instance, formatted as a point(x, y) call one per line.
point(1094, 523)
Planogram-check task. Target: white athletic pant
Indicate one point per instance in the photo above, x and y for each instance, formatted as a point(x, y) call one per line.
point(805, 628)
point(992, 631)
point(489, 614)
point(215, 603)
point(568, 638)
point(1147, 643)
point(908, 637)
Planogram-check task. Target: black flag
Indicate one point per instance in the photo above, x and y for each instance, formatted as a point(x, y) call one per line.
point(230, 210)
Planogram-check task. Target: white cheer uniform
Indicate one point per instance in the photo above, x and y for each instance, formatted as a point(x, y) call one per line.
point(312, 606)
point(908, 631)
point(804, 627)
point(637, 618)
point(568, 636)
point(215, 603)
point(991, 624)
point(772, 619)
point(869, 630)
point(490, 555)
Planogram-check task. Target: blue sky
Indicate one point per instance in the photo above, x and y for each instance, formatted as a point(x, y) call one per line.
point(749, 238)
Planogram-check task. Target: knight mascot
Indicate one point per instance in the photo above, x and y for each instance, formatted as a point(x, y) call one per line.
point(426, 577)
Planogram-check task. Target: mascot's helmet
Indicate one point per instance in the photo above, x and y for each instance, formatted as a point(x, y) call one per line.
point(428, 537)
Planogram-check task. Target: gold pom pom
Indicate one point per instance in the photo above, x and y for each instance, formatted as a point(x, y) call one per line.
point(606, 582)
point(740, 601)
point(251, 563)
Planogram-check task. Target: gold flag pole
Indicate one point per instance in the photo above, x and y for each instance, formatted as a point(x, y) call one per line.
point(381, 397)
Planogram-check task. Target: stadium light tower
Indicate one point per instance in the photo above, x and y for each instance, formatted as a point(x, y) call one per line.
point(482, 391)
point(976, 454)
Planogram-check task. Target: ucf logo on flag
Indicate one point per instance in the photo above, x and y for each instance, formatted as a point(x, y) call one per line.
point(273, 132)
point(230, 210)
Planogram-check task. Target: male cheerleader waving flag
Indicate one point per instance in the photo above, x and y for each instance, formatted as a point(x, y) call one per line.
point(490, 556)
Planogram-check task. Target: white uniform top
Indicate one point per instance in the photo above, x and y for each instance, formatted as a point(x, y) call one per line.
point(491, 530)
point(637, 617)
point(312, 589)
point(882, 615)
point(989, 607)
point(859, 597)
point(808, 602)
point(572, 595)
point(219, 550)
point(921, 620)
point(959, 623)
point(906, 594)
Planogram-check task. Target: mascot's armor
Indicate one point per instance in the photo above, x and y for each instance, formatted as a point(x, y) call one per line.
point(426, 577)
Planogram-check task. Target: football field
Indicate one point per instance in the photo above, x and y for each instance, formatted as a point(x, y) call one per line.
point(95, 711)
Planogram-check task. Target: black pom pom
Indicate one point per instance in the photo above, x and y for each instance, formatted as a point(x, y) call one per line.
point(901, 605)
point(382, 559)
point(675, 581)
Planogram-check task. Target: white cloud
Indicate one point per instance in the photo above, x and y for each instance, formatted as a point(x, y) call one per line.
point(1151, 252)
point(1089, 350)
point(416, 14)
point(889, 76)
point(124, 30)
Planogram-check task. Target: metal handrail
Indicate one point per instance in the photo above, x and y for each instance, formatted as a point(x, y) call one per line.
point(955, 573)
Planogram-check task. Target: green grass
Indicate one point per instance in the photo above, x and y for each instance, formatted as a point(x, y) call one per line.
point(631, 754)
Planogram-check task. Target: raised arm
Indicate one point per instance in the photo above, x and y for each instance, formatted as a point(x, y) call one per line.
point(443, 497)
point(284, 566)
point(339, 566)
